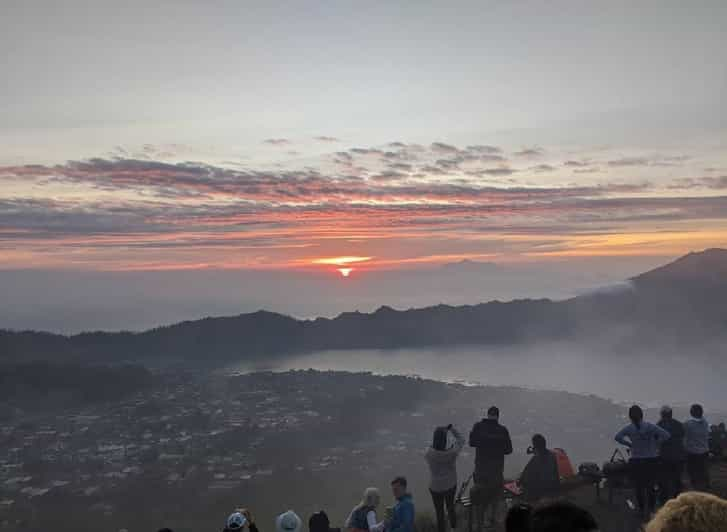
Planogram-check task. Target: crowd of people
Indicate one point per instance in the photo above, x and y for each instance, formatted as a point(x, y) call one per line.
point(658, 456)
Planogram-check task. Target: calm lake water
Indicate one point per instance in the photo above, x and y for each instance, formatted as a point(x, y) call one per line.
point(646, 377)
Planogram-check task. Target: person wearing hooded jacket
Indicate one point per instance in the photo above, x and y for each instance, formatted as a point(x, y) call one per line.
point(442, 463)
point(696, 443)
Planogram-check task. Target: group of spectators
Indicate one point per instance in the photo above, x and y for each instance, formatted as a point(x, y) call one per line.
point(658, 455)
point(660, 452)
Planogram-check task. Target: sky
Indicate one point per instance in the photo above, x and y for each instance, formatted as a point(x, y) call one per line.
point(349, 138)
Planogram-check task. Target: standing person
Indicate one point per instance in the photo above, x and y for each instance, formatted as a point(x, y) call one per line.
point(402, 515)
point(671, 454)
point(443, 473)
point(643, 439)
point(492, 443)
point(540, 477)
point(363, 516)
point(696, 442)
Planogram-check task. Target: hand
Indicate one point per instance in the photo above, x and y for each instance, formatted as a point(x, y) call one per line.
point(247, 514)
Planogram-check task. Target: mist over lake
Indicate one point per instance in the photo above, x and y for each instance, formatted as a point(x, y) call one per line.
point(647, 377)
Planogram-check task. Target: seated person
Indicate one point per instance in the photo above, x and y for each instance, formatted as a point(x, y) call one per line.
point(540, 477)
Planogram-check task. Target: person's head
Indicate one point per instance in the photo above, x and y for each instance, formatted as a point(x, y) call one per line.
point(236, 521)
point(371, 497)
point(696, 411)
point(539, 444)
point(555, 517)
point(288, 522)
point(439, 439)
point(398, 487)
point(636, 415)
point(518, 518)
point(690, 512)
point(666, 412)
point(493, 413)
point(319, 522)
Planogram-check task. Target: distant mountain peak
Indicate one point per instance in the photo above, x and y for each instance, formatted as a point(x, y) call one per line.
point(707, 265)
point(469, 265)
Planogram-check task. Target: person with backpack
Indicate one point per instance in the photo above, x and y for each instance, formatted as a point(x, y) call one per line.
point(492, 443)
point(696, 443)
point(540, 477)
point(643, 440)
point(671, 455)
point(443, 473)
point(363, 517)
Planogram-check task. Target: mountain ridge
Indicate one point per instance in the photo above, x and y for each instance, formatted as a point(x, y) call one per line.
point(676, 301)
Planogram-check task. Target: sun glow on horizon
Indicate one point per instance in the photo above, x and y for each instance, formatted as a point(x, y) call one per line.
point(345, 272)
point(340, 261)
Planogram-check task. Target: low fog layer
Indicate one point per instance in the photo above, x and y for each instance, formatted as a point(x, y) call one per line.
point(71, 302)
point(632, 375)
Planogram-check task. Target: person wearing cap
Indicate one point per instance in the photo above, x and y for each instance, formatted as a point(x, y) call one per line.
point(671, 455)
point(240, 520)
point(288, 522)
point(492, 443)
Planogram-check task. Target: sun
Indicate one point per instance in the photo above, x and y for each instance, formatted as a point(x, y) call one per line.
point(344, 263)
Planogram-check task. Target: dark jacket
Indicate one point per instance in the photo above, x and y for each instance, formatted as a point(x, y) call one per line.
point(673, 448)
point(540, 477)
point(492, 442)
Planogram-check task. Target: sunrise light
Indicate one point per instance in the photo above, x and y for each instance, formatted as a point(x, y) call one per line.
point(340, 261)
point(345, 272)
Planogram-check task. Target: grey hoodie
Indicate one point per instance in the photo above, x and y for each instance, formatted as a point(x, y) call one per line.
point(696, 436)
point(443, 464)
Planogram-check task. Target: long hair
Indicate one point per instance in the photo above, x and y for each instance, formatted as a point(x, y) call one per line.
point(636, 415)
point(439, 439)
point(371, 498)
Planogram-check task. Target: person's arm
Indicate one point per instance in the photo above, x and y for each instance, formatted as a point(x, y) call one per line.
point(253, 527)
point(473, 437)
point(621, 436)
point(524, 479)
point(508, 442)
point(660, 434)
point(458, 439)
point(373, 525)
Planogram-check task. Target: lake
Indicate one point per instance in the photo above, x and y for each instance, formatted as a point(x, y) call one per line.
point(645, 377)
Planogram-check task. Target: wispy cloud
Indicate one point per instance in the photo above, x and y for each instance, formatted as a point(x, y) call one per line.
point(398, 191)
